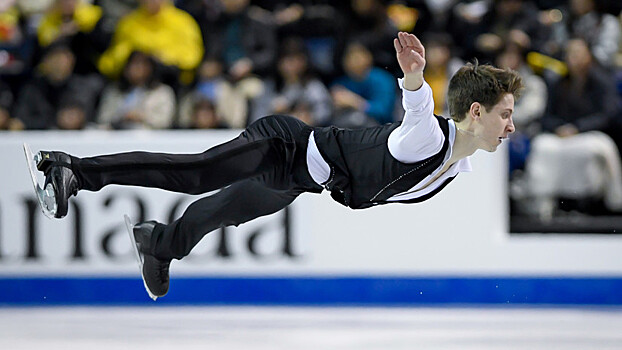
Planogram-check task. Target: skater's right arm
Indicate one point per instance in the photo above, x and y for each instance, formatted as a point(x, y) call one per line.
point(419, 136)
point(411, 58)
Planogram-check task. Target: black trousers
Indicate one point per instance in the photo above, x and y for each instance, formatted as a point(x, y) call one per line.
point(260, 172)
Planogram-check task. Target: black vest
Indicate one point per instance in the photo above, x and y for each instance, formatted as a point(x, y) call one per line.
point(363, 171)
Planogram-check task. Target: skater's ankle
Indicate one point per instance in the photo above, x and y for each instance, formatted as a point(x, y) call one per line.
point(75, 169)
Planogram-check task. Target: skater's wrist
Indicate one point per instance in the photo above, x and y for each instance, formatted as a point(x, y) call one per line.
point(413, 81)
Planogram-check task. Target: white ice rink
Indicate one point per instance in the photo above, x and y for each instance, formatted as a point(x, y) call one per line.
point(276, 328)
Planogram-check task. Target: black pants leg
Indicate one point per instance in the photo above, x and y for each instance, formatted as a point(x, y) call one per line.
point(270, 142)
point(264, 167)
point(241, 202)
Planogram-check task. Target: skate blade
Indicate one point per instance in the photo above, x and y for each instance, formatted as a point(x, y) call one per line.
point(45, 197)
point(139, 258)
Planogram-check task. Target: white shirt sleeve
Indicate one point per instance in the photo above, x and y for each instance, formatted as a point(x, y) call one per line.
point(419, 136)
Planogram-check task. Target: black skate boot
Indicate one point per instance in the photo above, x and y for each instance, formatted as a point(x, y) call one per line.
point(155, 271)
point(59, 178)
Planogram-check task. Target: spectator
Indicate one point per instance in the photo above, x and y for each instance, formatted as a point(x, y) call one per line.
point(204, 12)
point(575, 159)
point(584, 100)
point(365, 95)
point(370, 25)
point(71, 115)
point(159, 29)
point(319, 23)
point(51, 87)
point(440, 67)
point(204, 116)
point(599, 29)
point(296, 87)
point(479, 27)
point(15, 44)
point(114, 10)
point(244, 39)
point(231, 99)
point(139, 99)
point(78, 24)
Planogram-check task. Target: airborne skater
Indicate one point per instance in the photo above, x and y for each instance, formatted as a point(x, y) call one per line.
point(279, 157)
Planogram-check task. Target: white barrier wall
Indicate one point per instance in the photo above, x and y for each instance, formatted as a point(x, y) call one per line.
point(460, 232)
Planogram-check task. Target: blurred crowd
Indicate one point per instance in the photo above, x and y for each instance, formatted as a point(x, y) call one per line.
point(204, 64)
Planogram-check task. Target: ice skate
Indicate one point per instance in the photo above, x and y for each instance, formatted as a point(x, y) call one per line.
point(155, 272)
point(58, 185)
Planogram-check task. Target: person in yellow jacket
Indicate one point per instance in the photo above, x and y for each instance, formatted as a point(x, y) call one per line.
point(160, 29)
point(66, 18)
point(78, 25)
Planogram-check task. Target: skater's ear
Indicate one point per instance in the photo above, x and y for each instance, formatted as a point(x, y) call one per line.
point(475, 111)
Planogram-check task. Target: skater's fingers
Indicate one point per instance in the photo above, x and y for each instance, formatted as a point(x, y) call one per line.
point(398, 46)
point(408, 39)
point(416, 41)
point(402, 37)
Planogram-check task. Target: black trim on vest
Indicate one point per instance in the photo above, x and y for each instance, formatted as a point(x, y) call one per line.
point(363, 171)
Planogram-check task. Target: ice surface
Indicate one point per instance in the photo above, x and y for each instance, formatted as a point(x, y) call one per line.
point(280, 328)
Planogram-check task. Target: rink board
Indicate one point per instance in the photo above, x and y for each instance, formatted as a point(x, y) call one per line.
point(455, 248)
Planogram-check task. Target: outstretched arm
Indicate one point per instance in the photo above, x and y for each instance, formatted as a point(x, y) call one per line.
point(411, 58)
point(419, 136)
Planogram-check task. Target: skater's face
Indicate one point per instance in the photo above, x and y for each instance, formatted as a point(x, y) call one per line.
point(495, 124)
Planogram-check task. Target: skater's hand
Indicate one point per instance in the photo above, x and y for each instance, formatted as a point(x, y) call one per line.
point(410, 53)
point(411, 58)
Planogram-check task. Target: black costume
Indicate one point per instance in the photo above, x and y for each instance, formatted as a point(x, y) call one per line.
point(260, 172)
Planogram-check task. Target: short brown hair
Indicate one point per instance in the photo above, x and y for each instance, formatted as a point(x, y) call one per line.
point(480, 83)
